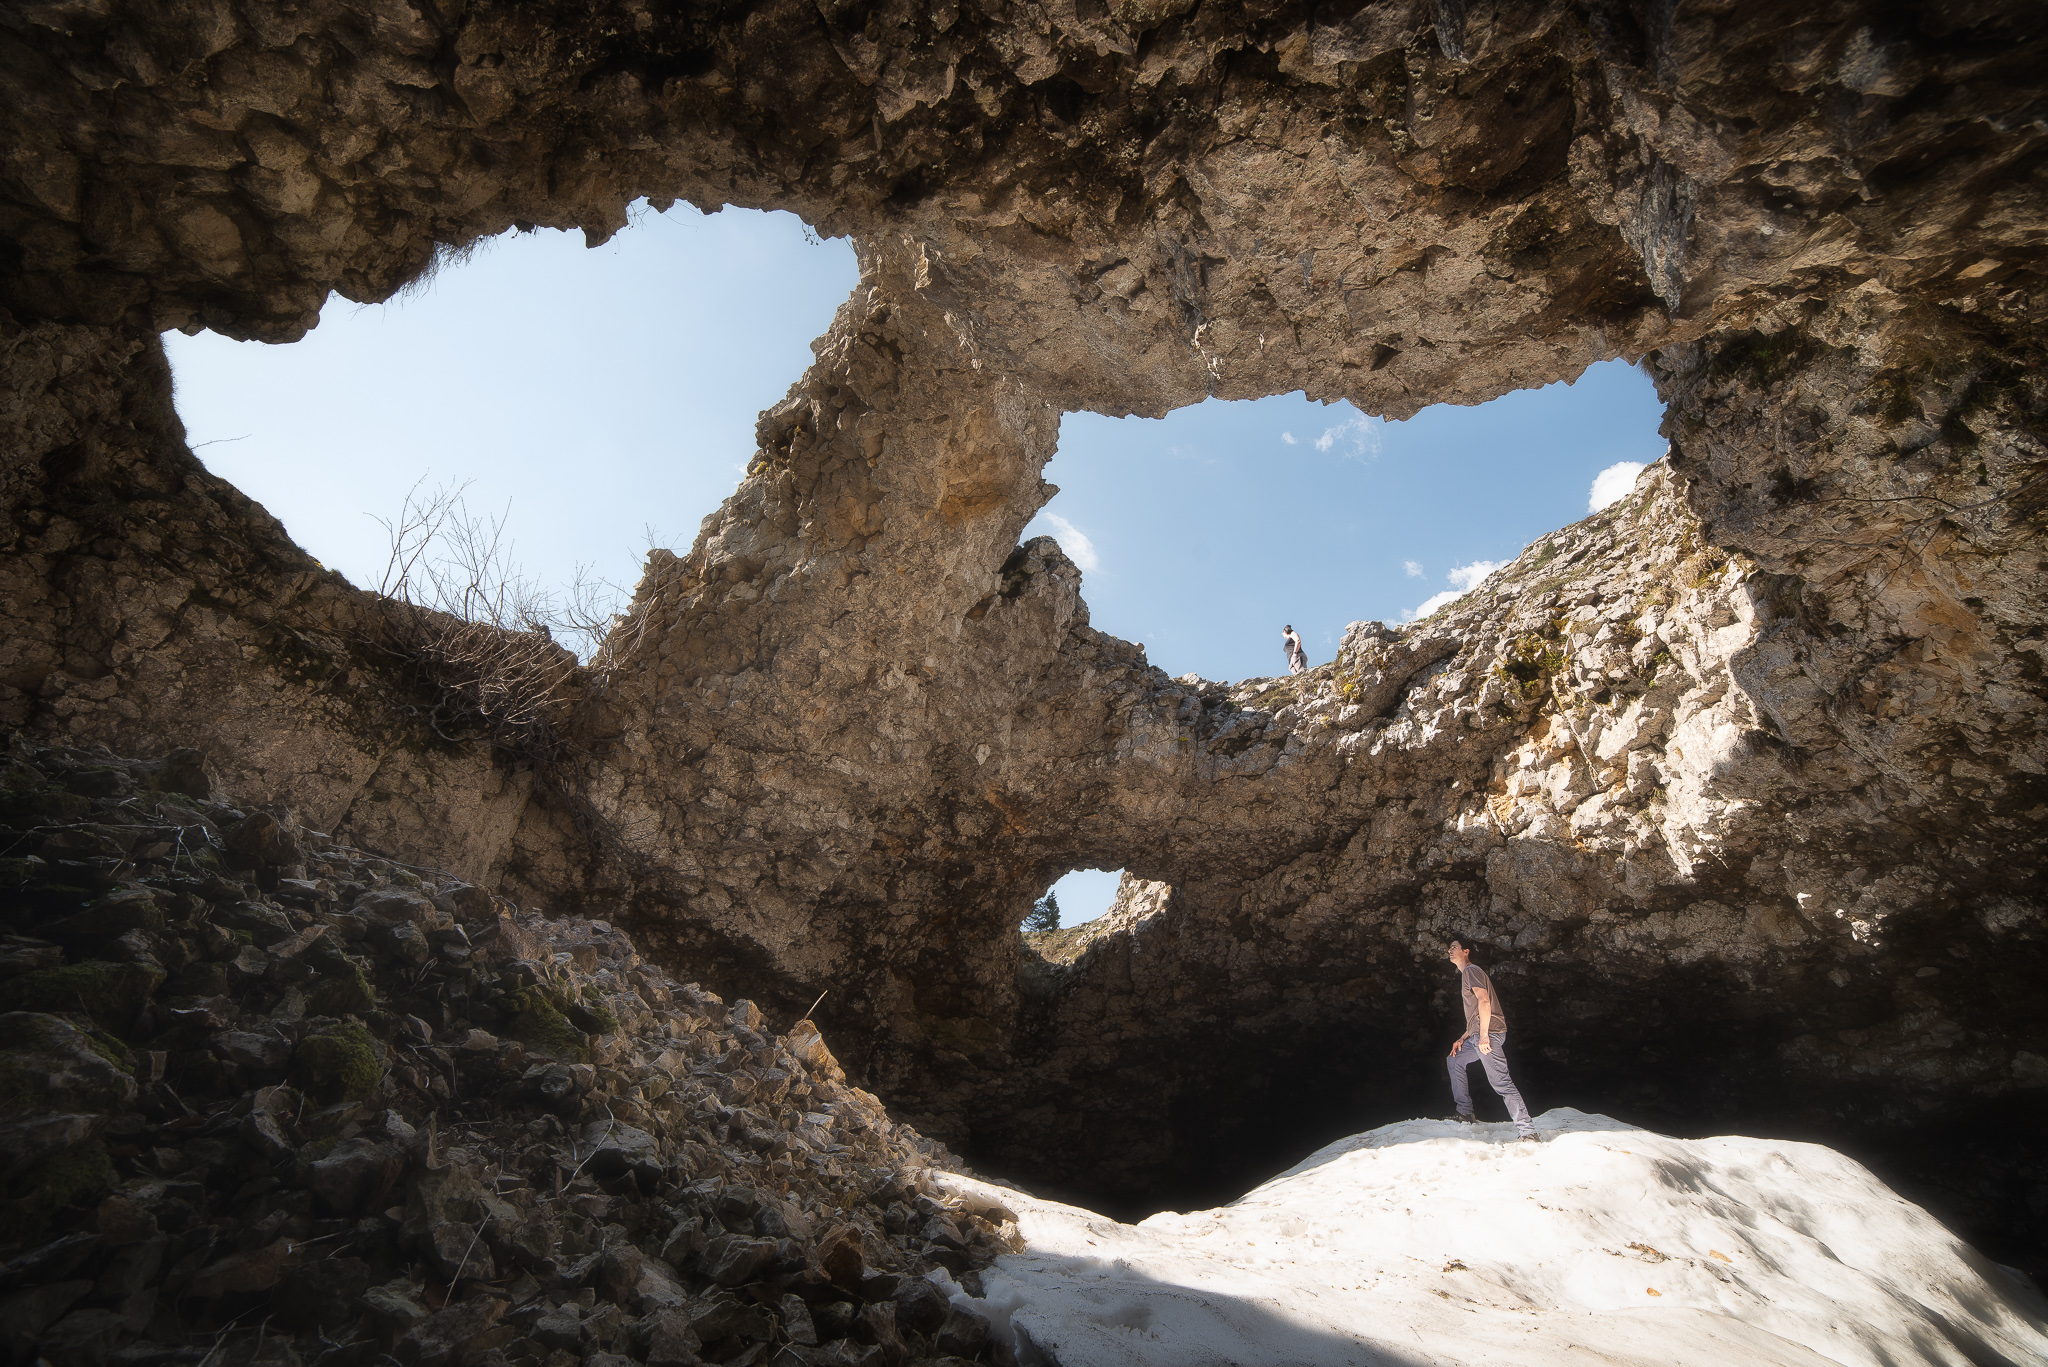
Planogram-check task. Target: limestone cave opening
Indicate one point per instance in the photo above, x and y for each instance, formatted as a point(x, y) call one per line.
point(1203, 533)
point(598, 399)
point(1083, 895)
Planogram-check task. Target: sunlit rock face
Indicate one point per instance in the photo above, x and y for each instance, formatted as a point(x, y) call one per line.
point(847, 738)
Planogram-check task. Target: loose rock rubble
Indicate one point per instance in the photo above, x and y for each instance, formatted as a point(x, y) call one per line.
point(269, 1099)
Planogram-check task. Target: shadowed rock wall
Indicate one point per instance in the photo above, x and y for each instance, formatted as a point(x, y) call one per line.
point(856, 729)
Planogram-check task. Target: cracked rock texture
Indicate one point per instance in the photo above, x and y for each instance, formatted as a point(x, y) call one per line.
point(1747, 774)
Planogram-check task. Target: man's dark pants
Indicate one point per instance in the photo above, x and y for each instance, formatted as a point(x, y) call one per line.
point(1496, 1064)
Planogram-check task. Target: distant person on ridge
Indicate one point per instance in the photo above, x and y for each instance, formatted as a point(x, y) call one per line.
point(1297, 659)
point(1484, 1041)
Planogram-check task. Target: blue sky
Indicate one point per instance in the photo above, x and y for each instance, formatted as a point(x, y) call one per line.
point(590, 395)
point(585, 393)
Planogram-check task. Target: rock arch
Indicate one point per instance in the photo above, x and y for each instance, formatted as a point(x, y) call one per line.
point(856, 726)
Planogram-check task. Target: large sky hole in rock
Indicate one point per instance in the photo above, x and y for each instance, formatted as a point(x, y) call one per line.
point(598, 399)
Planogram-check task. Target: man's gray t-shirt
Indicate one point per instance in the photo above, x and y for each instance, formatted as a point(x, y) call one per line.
point(1474, 976)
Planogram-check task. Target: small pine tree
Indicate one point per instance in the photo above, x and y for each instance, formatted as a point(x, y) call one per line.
point(1044, 914)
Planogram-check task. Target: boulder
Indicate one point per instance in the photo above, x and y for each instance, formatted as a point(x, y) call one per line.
point(321, 1292)
point(355, 1175)
point(120, 911)
point(920, 1307)
point(396, 906)
point(610, 1151)
point(672, 1342)
point(83, 1338)
point(444, 1215)
point(261, 837)
point(48, 1062)
point(396, 1307)
point(264, 1052)
point(243, 1273)
point(724, 1316)
point(962, 1333)
point(735, 1259)
point(460, 1335)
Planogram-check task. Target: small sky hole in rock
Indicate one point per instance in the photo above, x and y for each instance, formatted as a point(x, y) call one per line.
point(600, 400)
point(1085, 894)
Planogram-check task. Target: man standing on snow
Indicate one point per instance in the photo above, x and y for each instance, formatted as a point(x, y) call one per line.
point(1484, 1042)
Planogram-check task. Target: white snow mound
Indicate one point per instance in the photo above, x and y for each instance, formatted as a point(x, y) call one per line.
point(1430, 1242)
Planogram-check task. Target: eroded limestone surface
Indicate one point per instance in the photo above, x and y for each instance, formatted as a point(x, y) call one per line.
point(855, 729)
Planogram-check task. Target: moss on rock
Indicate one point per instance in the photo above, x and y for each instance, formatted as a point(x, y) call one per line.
point(337, 1065)
point(107, 918)
point(591, 1017)
point(38, 1192)
point(541, 1026)
point(51, 1063)
point(112, 994)
point(343, 991)
point(27, 797)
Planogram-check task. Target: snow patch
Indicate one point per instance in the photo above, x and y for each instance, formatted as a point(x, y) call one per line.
point(1431, 1242)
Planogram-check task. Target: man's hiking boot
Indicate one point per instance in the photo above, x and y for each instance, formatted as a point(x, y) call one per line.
point(1528, 1139)
point(1464, 1119)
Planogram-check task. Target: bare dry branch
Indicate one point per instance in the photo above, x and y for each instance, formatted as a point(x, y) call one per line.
point(493, 657)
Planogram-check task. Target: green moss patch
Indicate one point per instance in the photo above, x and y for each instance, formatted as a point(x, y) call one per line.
point(337, 1065)
point(108, 918)
point(37, 1193)
point(591, 1018)
point(540, 1025)
point(343, 992)
point(112, 994)
point(262, 925)
point(1530, 664)
point(27, 798)
point(52, 1063)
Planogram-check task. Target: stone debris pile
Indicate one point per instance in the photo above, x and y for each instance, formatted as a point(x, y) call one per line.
point(268, 1099)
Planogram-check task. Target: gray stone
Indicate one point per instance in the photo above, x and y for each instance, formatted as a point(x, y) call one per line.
point(54, 1061)
point(560, 1328)
point(83, 1338)
point(395, 906)
point(919, 1306)
point(962, 1333)
point(396, 1306)
point(354, 1174)
point(722, 1316)
point(25, 1314)
point(796, 1321)
point(610, 1150)
point(733, 1259)
point(451, 1336)
point(263, 1052)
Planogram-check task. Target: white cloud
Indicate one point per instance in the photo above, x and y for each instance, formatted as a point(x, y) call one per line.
point(1431, 604)
point(1463, 580)
point(1356, 438)
point(1413, 567)
point(1074, 542)
point(1467, 577)
point(1613, 484)
point(1288, 437)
